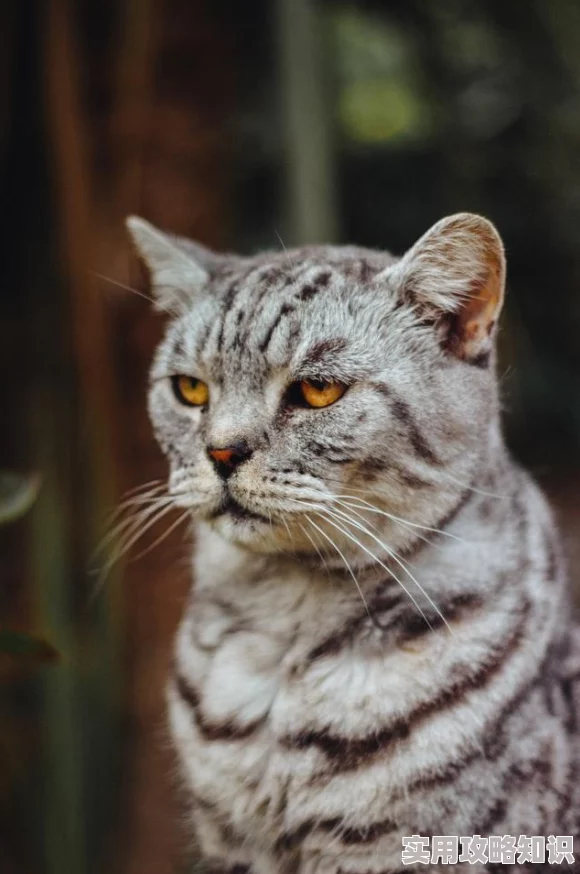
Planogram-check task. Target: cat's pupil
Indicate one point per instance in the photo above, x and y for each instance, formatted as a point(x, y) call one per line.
point(318, 384)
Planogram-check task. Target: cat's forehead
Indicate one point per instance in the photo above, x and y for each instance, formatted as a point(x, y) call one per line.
point(326, 265)
point(273, 310)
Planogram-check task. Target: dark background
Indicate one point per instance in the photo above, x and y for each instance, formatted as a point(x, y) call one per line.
point(241, 124)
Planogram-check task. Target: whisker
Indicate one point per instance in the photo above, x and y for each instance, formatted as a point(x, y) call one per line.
point(316, 548)
point(280, 240)
point(372, 509)
point(285, 525)
point(356, 507)
point(130, 500)
point(473, 489)
point(447, 476)
point(122, 285)
point(356, 582)
point(143, 486)
point(133, 505)
point(136, 533)
point(356, 541)
point(396, 558)
point(133, 520)
point(162, 537)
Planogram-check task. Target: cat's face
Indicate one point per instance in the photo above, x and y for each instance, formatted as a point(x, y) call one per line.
point(293, 387)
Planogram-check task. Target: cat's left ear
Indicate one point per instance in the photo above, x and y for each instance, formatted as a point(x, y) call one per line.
point(177, 274)
point(455, 275)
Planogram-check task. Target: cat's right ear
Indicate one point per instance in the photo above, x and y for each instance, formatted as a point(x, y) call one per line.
point(176, 276)
point(454, 276)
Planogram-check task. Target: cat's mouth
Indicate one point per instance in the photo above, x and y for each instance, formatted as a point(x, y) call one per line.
point(230, 507)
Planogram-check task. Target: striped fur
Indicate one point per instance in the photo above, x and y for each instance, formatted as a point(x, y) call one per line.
point(418, 674)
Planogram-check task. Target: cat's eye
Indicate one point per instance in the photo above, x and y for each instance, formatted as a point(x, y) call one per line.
point(317, 393)
point(190, 391)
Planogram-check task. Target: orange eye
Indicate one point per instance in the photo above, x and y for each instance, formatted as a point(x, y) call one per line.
point(190, 391)
point(317, 393)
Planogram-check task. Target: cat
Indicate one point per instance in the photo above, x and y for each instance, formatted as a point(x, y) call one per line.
point(379, 641)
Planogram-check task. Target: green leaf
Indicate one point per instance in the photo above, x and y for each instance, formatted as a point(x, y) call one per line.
point(21, 645)
point(17, 494)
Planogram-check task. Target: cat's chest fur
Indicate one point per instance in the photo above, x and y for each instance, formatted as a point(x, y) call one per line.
point(280, 725)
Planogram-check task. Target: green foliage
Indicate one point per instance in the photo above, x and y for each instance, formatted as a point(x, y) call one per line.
point(17, 494)
point(21, 645)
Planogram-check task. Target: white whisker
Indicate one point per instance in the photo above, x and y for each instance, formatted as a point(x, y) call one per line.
point(355, 507)
point(132, 521)
point(123, 286)
point(372, 509)
point(475, 490)
point(317, 550)
point(356, 582)
point(403, 565)
point(162, 537)
point(356, 541)
point(153, 516)
point(135, 499)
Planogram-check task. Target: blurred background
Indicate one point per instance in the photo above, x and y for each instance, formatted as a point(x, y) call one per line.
point(242, 125)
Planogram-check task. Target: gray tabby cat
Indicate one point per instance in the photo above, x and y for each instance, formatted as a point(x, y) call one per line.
point(378, 642)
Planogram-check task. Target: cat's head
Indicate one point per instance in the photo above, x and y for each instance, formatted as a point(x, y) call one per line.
point(295, 388)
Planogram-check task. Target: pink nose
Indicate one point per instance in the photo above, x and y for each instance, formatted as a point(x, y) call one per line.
point(224, 456)
point(227, 458)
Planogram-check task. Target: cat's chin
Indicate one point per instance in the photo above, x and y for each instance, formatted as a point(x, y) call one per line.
point(239, 525)
point(254, 534)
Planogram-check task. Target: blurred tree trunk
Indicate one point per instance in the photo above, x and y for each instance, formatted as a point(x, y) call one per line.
point(105, 109)
point(311, 202)
point(167, 142)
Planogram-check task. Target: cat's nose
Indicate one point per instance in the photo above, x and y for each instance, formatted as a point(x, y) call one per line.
point(227, 458)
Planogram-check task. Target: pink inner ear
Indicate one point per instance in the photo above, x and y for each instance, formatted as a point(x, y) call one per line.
point(472, 326)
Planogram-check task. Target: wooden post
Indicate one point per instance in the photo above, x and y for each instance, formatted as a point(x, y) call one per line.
point(307, 111)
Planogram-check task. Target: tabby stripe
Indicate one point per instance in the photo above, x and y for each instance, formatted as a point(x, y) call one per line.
point(317, 352)
point(402, 412)
point(226, 868)
point(230, 299)
point(322, 279)
point(227, 304)
point(384, 600)
point(203, 338)
point(284, 310)
point(408, 626)
point(253, 306)
point(495, 745)
point(411, 625)
point(552, 566)
point(348, 835)
point(497, 739)
point(347, 753)
point(257, 311)
point(307, 292)
point(452, 514)
point(366, 272)
point(374, 466)
point(225, 731)
point(178, 348)
point(517, 774)
point(567, 686)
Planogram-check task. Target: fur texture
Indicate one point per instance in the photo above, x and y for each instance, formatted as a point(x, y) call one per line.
point(378, 640)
